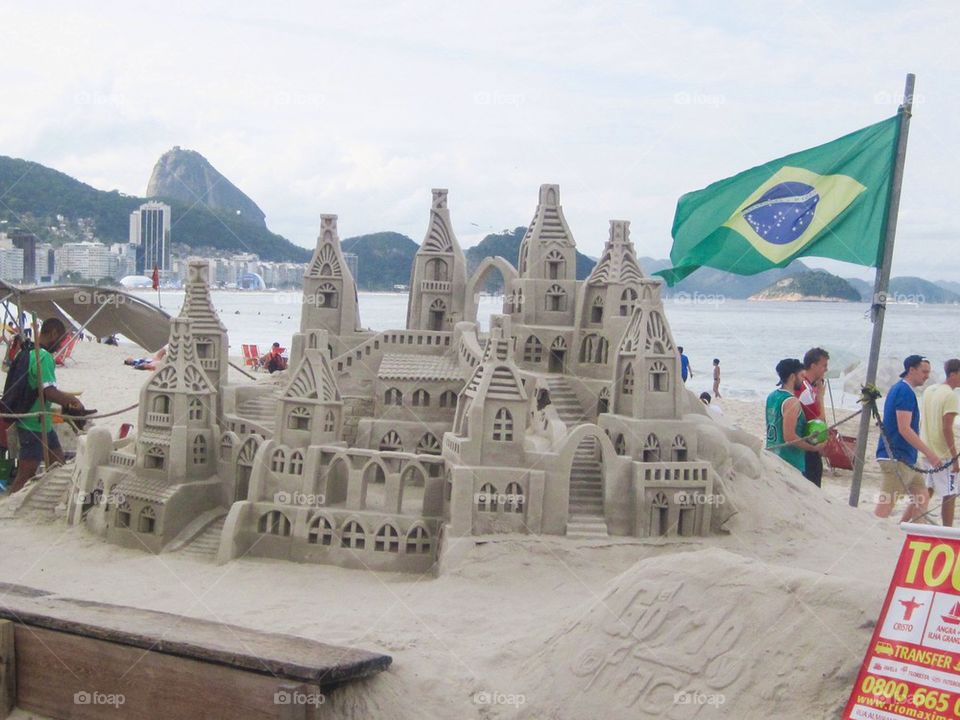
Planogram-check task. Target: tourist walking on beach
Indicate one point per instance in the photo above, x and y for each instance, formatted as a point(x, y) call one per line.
point(685, 369)
point(784, 417)
point(816, 362)
point(30, 429)
point(901, 424)
point(939, 410)
point(716, 378)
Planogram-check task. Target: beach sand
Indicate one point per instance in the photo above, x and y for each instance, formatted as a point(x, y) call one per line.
point(769, 620)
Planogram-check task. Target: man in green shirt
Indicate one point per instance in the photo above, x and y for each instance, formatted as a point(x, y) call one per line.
point(30, 432)
point(939, 410)
point(784, 416)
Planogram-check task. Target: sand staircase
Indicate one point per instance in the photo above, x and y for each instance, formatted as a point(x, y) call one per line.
point(564, 399)
point(205, 545)
point(47, 492)
point(586, 493)
point(259, 409)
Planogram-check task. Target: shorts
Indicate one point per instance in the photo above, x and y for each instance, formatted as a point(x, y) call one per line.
point(899, 480)
point(31, 444)
point(943, 482)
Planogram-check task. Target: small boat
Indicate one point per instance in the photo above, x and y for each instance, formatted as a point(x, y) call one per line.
point(952, 617)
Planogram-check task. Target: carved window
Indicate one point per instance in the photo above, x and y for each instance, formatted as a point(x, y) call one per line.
point(278, 460)
point(161, 404)
point(327, 296)
point(596, 310)
point(123, 515)
point(421, 398)
point(555, 265)
point(628, 379)
point(155, 458)
point(393, 396)
point(651, 449)
point(659, 510)
point(320, 531)
point(603, 402)
point(603, 349)
point(620, 445)
point(330, 422)
point(199, 453)
point(556, 299)
point(418, 541)
point(296, 463)
point(226, 448)
point(533, 350)
point(274, 523)
point(299, 418)
point(387, 539)
point(514, 499)
point(428, 445)
point(659, 377)
point(196, 409)
point(448, 398)
point(588, 349)
point(147, 520)
point(628, 301)
point(518, 301)
point(391, 441)
point(678, 450)
point(503, 426)
point(353, 536)
point(437, 270)
point(487, 499)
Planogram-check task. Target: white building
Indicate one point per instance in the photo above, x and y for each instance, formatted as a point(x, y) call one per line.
point(91, 260)
point(11, 264)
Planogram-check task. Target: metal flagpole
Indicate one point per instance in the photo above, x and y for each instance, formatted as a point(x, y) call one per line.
point(879, 306)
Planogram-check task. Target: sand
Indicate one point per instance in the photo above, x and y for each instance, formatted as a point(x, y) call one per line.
point(769, 620)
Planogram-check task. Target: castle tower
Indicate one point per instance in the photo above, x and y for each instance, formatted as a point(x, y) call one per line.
point(310, 411)
point(545, 292)
point(329, 290)
point(177, 416)
point(438, 282)
point(207, 331)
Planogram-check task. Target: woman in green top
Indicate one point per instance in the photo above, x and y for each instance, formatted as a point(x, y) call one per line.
point(786, 425)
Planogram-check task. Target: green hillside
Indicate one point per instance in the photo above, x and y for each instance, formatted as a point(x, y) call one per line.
point(384, 259)
point(811, 285)
point(33, 195)
point(507, 245)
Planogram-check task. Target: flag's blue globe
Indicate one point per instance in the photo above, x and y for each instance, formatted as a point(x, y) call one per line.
point(782, 213)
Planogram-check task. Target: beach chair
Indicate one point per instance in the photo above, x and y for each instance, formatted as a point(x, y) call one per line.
point(65, 352)
point(251, 356)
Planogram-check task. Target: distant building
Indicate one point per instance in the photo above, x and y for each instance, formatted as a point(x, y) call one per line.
point(45, 263)
point(352, 262)
point(11, 264)
point(150, 234)
point(27, 242)
point(90, 260)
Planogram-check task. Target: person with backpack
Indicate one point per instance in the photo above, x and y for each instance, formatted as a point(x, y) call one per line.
point(21, 396)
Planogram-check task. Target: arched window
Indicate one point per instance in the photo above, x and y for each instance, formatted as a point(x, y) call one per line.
point(628, 301)
point(487, 498)
point(274, 523)
point(123, 515)
point(556, 299)
point(278, 460)
point(299, 418)
point(327, 297)
point(147, 520)
point(428, 445)
point(391, 441)
point(679, 449)
point(659, 514)
point(437, 270)
point(387, 539)
point(587, 348)
point(199, 450)
point(659, 378)
point(438, 314)
point(533, 350)
point(603, 348)
point(555, 265)
point(330, 422)
point(421, 398)
point(195, 409)
point(155, 458)
point(518, 301)
point(320, 531)
point(620, 445)
point(296, 463)
point(418, 541)
point(226, 448)
point(393, 396)
point(628, 379)
point(651, 449)
point(596, 310)
point(503, 426)
point(353, 536)
point(514, 499)
point(448, 398)
point(603, 401)
point(161, 404)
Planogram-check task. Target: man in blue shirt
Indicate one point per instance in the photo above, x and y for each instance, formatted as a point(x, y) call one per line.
point(901, 423)
point(685, 369)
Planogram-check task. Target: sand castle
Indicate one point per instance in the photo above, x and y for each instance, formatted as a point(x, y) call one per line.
point(375, 448)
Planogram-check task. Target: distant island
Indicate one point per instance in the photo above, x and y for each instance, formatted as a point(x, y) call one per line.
point(810, 286)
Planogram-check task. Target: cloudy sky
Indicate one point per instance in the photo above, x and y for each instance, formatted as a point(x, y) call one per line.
point(360, 108)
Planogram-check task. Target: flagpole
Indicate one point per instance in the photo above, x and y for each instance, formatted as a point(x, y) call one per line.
point(879, 305)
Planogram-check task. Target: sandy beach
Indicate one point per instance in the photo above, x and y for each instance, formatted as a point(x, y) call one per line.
point(770, 619)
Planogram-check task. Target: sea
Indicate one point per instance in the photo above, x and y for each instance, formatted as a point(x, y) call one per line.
point(748, 337)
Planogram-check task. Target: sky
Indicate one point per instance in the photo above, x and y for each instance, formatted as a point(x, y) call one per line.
point(361, 108)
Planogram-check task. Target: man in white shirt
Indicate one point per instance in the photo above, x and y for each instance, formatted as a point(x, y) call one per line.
point(938, 411)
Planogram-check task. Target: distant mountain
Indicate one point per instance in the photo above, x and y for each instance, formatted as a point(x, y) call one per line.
point(863, 287)
point(950, 285)
point(34, 195)
point(809, 285)
point(384, 259)
point(912, 289)
point(187, 176)
point(506, 244)
point(708, 281)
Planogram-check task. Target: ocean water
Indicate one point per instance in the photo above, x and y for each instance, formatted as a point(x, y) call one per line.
point(749, 338)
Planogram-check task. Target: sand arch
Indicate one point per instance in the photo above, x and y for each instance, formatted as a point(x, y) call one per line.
point(507, 271)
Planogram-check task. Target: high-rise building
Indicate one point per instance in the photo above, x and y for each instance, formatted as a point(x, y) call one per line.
point(27, 242)
point(11, 264)
point(45, 263)
point(90, 260)
point(352, 263)
point(150, 233)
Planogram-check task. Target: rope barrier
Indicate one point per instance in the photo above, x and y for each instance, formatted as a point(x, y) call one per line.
point(98, 416)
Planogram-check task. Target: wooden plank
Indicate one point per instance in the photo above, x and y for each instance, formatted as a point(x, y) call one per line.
point(282, 656)
point(8, 669)
point(69, 676)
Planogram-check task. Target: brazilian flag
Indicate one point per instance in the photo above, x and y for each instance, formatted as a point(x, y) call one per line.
point(829, 201)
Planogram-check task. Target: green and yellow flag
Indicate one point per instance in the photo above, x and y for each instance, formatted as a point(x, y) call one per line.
point(829, 201)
